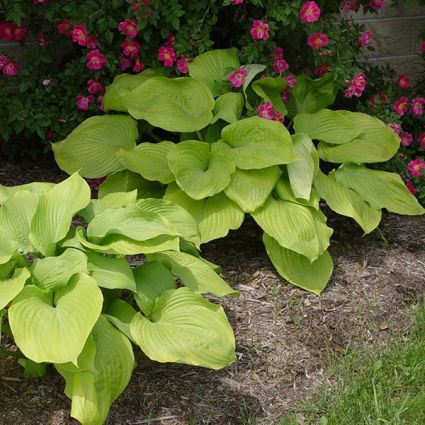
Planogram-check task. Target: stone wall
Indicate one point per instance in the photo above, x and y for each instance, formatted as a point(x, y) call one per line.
point(396, 32)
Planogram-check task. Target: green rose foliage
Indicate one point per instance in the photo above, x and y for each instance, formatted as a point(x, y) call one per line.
point(70, 297)
point(218, 161)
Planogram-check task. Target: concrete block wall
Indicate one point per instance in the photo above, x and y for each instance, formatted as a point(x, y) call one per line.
point(396, 33)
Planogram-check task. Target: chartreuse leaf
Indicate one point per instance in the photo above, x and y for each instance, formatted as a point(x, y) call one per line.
point(193, 273)
point(116, 92)
point(328, 126)
point(347, 202)
point(152, 279)
point(10, 288)
point(37, 188)
point(51, 273)
point(122, 245)
point(120, 314)
point(16, 215)
point(270, 89)
point(127, 181)
point(105, 369)
point(213, 69)
point(376, 142)
point(7, 268)
point(302, 171)
point(284, 192)
point(90, 148)
point(51, 327)
point(250, 189)
point(7, 248)
point(253, 70)
point(110, 272)
point(55, 211)
point(33, 369)
point(185, 224)
point(312, 95)
point(180, 104)
point(215, 216)
point(258, 143)
point(200, 172)
point(149, 160)
point(297, 269)
point(295, 227)
point(228, 107)
point(379, 189)
point(185, 328)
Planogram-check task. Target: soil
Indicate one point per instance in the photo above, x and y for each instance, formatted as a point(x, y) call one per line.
point(286, 337)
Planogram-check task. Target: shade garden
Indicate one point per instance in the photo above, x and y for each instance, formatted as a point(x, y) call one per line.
point(183, 161)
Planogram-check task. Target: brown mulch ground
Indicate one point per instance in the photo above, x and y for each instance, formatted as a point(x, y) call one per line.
point(286, 338)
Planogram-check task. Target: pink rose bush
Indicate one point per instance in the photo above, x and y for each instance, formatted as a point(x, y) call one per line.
point(259, 30)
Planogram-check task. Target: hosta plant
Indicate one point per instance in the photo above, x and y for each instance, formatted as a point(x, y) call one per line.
point(69, 297)
point(197, 141)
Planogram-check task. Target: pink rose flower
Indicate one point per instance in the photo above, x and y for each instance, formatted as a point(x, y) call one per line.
point(128, 28)
point(417, 107)
point(100, 103)
point(171, 38)
point(422, 46)
point(376, 4)
point(285, 95)
point(125, 63)
point(95, 60)
point(237, 78)
point(92, 42)
point(266, 111)
point(19, 32)
point(356, 86)
point(80, 35)
point(317, 40)
point(4, 60)
point(130, 48)
point(138, 65)
point(400, 107)
point(348, 6)
point(167, 56)
point(94, 87)
point(63, 28)
point(259, 30)
point(42, 40)
point(416, 167)
point(395, 127)
point(365, 38)
point(83, 102)
point(411, 187)
point(421, 141)
point(278, 116)
point(237, 1)
point(280, 65)
point(309, 12)
point(291, 81)
point(10, 69)
point(40, 1)
point(406, 139)
point(403, 81)
point(7, 32)
point(183, 65)
point(321, 69)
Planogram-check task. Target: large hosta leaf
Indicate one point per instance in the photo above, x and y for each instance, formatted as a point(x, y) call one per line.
point(250, 189)
point(149, 160)
point(104, 371)
point(127, 181)
point(302, 171)
point(347, 202)
point(10, 288)
point(130, 222)
point(16, 215)
point(51, 327)
point(200, 172)
point(228, 107)
point(110, 272)
point(379, 189)
point(215, 216)
point(152, 279)
point(297, 269)
point(295, 227)
point(7, 249)
point(284, 192)
point(332, 127)
point(376, 142)
point(185, 224)
point(115, 93)
point(270, 89)
point(193, 273)
point(213, 69)
point(258, 143)
point(55, 211)
point(37, 188)
point(180, 104)
point(54, 272)
point(185, 328)
point(90, 149)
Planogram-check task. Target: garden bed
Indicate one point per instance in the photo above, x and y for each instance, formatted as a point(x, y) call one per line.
point(286, 338)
